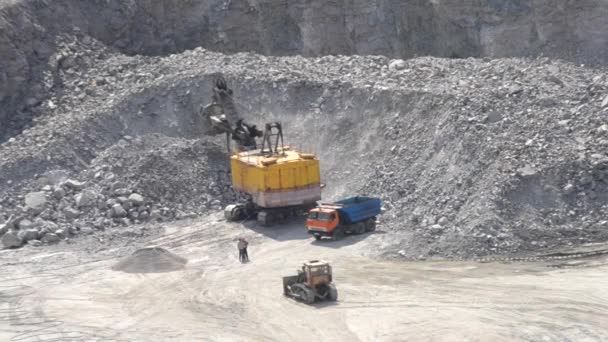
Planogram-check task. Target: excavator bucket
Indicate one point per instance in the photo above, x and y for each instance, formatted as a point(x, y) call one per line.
point(221, 117)
point(214, 119)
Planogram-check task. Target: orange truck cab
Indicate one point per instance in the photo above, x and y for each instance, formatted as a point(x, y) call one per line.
point(355, 215)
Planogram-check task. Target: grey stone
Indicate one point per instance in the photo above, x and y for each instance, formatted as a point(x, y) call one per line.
point(133, 214)
point(436, 229)
point(87, 230)
point(35, 201)
point(569, 188)
point(11, 240)
point(61, 233)
point(605, 102)
point(443, 221)
point(144, 215)
point(51, 238)
point(34, 243)
point(49, 214)
point(118, 211)
point(155, 214)
point(25, 224)
point(86, 198)
point(118, 185)
point(71, 213)
point(72, 230)
point(122, 192)
point(527, 171)
point(59, 192)
point(397, 64)
point(122, 199)
point(110, 202)
point(99, 223)
point(187, 215)
point(74, 185)
point(27, 235)
point(57, 176)
point(136, 199)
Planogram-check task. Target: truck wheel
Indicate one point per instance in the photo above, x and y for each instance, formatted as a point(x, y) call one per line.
point(338, 234)
point(371, 225)
point(333, 293)
point(360, 228)
point(317, 237)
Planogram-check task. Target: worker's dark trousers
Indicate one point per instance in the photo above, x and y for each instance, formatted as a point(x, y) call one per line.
point(245, 255)
point(241, 255)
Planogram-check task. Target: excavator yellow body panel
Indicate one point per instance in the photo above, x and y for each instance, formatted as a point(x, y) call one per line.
point(287, 179)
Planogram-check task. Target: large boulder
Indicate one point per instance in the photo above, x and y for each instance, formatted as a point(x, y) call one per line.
point(58, 192)
point(118, 211)
point(50, 238)
point(11, 240)
point(55, 177)
point(4, 227)
point(136, 199)
point(74, 185)
point(49, 226)
point(35, 243)
point(397, 64)
point(122, 192)
point(86, 198)
point(35, 201)
point(71, 213)
point(25, 224)
point(8, 225)
point(27, 235)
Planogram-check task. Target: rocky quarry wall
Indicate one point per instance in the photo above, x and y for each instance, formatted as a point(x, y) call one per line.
point(30, 31)
point(471, 156)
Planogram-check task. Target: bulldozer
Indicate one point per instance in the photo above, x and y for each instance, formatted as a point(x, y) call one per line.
point(278, 181)
point(313, 282)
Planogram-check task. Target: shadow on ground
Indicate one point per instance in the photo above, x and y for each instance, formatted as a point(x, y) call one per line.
point(345, 241)
point(291, 230)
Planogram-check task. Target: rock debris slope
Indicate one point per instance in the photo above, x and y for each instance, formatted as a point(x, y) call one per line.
point(471, 156)
point(31, 37)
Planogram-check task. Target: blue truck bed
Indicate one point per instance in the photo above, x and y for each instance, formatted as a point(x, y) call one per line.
point(357, 209)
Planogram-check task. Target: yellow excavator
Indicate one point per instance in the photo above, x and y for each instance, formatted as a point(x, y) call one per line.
point(279, 181)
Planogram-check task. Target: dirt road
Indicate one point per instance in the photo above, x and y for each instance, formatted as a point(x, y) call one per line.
point(62, 297)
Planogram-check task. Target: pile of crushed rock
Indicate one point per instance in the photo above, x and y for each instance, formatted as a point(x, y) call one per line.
point(141, 179)
point(151, 260)
point(512, 159)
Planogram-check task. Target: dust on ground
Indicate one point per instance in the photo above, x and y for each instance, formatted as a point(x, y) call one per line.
point(217, 298)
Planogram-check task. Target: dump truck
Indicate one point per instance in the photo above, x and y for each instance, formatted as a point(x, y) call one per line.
point(355, 215)
point(313, 282)
point(279, 182)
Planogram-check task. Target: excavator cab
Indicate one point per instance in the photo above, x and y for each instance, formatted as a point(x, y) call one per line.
point(314, 281)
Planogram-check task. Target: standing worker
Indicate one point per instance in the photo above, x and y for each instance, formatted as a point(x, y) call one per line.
point(242, 245)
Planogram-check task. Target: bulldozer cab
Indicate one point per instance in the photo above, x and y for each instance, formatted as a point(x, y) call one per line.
point(317, 272)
